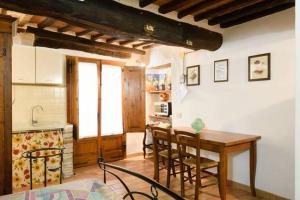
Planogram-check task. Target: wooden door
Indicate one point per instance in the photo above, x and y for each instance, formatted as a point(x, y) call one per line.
point(134, 99)
point(86, 148)
point(5, 105)
point(113, 138)
point(114, 147)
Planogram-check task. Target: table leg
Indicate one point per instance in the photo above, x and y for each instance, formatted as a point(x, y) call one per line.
point(223, 174)
point(156, 163)
point(253, 160)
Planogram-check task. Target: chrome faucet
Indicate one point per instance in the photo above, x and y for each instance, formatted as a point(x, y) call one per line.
point(33, 120)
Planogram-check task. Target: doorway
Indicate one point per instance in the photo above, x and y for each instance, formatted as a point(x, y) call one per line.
point(112, 130)
point(95, 107)
point(87, 92)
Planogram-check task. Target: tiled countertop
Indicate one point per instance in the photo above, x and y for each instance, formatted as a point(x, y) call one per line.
point(17, 128)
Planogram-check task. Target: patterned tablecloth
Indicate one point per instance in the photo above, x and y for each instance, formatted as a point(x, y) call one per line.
point(90, 189)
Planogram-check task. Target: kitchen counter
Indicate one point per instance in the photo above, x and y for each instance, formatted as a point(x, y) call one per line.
point(44, 135)
point(18, 128)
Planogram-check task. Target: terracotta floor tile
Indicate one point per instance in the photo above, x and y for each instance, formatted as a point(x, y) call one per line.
point(145, 167)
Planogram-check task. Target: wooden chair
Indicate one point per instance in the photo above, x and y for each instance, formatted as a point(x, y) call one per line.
point(145, 145)
point(184, 140)
point(150, 145)
point(162, 149)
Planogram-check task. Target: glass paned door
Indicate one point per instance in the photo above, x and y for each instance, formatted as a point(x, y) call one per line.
point(111, 100)
point(88, 99)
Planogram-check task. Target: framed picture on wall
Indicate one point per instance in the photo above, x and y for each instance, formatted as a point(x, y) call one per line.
point(221, 70)
point(193, 75)
point(259, 67)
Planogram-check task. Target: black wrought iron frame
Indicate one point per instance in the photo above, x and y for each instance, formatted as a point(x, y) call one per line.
point(154, 186)
point(30, 155)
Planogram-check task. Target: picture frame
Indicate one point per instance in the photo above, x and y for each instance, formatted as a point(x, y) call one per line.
point(221, 70)
point(259, 67)
point(193, 75)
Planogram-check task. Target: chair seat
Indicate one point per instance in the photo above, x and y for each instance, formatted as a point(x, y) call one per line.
point(205, 163)
point(164, 154)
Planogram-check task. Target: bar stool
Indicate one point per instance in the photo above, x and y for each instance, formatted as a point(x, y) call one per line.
point(36, 154)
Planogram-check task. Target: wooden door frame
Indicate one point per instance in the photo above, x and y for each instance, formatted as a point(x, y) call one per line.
point(6, 30)
point(122, 65)
point(74, 87)
point(99, 63)
point(98, 137)
point(90, 60)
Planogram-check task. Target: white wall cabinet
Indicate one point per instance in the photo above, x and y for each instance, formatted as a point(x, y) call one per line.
point(37, 65)
point(23, 64)
point(49, 66)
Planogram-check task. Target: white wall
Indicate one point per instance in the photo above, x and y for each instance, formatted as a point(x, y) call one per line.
point(264, 108)
point(297, 135)
point(53, 100)
point(134, 143)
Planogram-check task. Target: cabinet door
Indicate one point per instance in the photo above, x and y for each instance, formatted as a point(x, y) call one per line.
point(23, 64)
point(50, 66)
point(134, 99)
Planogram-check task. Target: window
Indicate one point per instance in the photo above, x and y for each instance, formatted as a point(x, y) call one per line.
point(88, 99)
point(111, 102)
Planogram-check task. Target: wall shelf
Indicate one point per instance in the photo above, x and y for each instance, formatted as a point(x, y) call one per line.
point(159, 91)
point(39, 84)
point(164, 66)
point(160, 117)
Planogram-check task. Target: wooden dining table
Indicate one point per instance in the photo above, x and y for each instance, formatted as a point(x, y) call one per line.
point(223, 143)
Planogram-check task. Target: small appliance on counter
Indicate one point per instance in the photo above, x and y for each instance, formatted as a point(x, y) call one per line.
point(162, 108)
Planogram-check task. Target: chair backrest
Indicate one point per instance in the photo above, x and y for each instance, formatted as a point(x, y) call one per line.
point(162, 133)
point(162, 138)
point(186, 139)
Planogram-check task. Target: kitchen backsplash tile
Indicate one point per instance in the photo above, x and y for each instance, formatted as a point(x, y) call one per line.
point(52, 99)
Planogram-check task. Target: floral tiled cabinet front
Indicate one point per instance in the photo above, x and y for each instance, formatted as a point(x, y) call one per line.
point(20, 166)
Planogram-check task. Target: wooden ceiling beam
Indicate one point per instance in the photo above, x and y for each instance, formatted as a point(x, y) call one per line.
point(25, 20)
point(65, 28)
point(46, 23)
point(249, 11)
point(3, 11)
point(144, 3)
point(65, 44)
point(140, 44)
point(257, 15)
point(125, 42)
point(138, 24)
point(81, 33)
point(202, 7)
point(227, 8)
point(177, 4)
point(111, 40)
point(83, 41)
point(97, 36)
point(149, 46)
